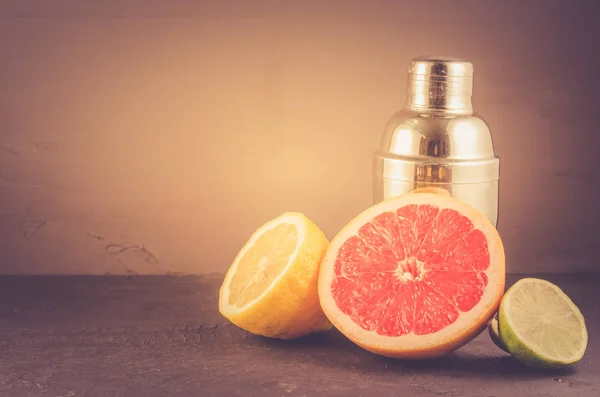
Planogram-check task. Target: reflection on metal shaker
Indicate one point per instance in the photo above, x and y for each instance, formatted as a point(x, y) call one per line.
point(437, 139)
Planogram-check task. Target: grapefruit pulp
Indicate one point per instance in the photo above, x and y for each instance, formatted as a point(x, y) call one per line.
point(415, 276)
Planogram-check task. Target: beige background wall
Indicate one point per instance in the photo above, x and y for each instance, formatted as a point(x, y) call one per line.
point(181, 126)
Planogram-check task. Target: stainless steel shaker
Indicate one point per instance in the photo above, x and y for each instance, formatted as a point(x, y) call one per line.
point(437, 140)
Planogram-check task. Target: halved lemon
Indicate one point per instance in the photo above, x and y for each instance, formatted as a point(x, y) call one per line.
point(271, 288)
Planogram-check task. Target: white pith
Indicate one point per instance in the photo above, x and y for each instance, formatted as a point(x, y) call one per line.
point(288, 219)
point(466, 321)
point(408, 267)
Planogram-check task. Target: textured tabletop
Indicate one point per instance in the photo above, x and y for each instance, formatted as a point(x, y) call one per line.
point(163, 336)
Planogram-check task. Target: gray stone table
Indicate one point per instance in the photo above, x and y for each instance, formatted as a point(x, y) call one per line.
point(163, 336)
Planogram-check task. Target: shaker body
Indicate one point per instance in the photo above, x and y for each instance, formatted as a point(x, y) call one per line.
point(482, 195)
point(454, 153)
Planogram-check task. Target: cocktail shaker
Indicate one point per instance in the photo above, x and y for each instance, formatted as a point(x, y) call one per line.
point(437, 140)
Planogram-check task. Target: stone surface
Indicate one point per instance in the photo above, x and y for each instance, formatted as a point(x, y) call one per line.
point(163, 336)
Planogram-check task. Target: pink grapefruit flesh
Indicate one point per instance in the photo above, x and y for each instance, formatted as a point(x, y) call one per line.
point(416, 276)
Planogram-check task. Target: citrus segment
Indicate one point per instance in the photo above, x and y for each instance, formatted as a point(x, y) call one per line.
point(261, 265)
point(271, 287)
point(462, 289)
point(415, 276)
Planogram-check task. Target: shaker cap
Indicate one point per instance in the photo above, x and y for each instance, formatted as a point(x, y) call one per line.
point(440, 66)
point(442, 84)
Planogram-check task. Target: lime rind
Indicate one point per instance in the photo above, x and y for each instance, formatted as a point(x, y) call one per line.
point(540, 325)
point(495, 334)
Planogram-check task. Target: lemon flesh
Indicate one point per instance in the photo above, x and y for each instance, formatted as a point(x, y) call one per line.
point(271, 287)
point(541, 326)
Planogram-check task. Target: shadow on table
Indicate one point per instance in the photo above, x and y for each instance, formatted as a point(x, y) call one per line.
point(332, 348)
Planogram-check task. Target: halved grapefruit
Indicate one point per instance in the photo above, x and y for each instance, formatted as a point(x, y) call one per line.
point(415, 276)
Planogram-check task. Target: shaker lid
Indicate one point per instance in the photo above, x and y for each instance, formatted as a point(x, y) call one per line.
point(441, 84)
point(440, 66)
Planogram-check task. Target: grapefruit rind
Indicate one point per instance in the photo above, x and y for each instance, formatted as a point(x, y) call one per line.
point(289, 307)
point(431, 189)
point(521, 344)
point(411, 346)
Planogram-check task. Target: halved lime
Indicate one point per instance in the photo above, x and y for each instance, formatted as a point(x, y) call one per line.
point(495, 334)
point(540, 325)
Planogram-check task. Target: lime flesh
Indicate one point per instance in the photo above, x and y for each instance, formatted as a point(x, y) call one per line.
point(540, 325)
